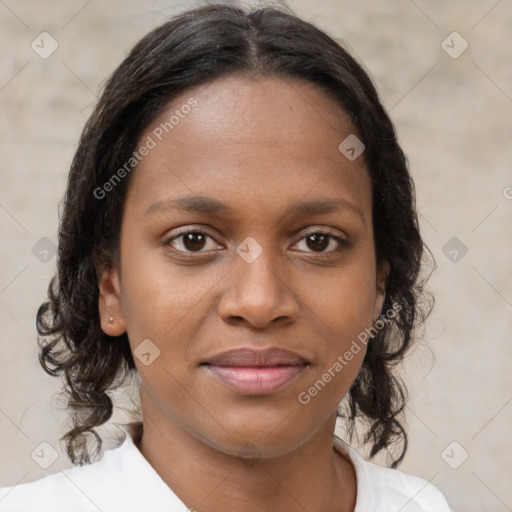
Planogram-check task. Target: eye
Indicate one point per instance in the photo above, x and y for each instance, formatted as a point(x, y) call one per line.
point(196, 241)
point(192, 241)
point(323, 242)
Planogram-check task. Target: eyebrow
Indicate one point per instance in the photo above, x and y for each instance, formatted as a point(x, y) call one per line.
point(209, 205)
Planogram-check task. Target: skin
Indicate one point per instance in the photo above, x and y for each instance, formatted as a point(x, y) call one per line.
point(259, 145)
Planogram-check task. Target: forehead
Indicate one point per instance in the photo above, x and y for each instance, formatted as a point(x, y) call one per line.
point(270, 137)
point(260, 110)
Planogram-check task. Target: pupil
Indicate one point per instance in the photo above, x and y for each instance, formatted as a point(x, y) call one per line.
point(315, 238)
point(194, 241)
point(317, 242)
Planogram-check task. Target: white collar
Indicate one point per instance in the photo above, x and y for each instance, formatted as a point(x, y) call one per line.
point(156, 489)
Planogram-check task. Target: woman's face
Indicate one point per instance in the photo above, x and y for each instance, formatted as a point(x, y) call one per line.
point(233, 324)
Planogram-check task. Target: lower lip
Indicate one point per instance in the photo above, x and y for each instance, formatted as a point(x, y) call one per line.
point(256, 380)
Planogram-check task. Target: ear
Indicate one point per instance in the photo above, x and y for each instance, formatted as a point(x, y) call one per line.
point(109, 304)
point(383, 269)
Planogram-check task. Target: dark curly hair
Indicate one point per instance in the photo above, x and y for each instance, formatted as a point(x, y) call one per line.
point(196, 47)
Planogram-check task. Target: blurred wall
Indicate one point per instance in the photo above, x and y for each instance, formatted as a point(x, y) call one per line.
point(443, 69)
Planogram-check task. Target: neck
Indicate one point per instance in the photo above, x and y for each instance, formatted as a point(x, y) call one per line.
point(311, 477)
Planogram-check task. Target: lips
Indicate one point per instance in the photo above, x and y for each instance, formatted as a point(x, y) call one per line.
point(256, 372)
point(257, 358)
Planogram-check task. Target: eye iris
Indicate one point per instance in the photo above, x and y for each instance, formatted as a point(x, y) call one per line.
point(194, 241)
point(320, 242)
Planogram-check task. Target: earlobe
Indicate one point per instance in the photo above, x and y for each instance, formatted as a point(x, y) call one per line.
point(109, 304)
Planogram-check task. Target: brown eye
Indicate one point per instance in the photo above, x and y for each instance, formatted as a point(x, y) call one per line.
point(323, 242)
point(193, 241)
point(317, 241)
point(190, 241)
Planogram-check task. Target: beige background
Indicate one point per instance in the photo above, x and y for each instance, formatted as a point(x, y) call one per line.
point(454, 118)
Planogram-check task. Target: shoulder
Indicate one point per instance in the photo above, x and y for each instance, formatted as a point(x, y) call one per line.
point(382, 489)
point(75, 488)
point(122, 481)
point(90, 487)
point(408, 493)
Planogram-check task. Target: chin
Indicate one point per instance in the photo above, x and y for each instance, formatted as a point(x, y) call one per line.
point(255, 438)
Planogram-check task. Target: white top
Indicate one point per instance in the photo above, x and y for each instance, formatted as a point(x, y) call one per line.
point(124, 481)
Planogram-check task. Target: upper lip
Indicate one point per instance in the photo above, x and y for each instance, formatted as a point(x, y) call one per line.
point(251, 357)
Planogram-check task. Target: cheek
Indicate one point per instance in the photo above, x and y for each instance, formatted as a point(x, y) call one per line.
point(160, 302)
point(160, 297)
point(342, 309)
point(344, 300)
point(157, 295)
point(170, 306)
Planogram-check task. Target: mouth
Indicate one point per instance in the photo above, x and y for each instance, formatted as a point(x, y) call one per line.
point(256, 372)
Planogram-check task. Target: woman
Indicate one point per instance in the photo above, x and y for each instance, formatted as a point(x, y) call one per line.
point(240, 232)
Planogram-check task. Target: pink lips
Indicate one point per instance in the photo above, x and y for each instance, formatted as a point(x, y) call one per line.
point(256, 372)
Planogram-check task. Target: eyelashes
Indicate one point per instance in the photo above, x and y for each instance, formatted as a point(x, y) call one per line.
point(322, 236)
point(191, 242)
point(191, 237)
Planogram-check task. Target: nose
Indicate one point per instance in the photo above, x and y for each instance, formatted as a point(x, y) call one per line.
point(258, 295)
